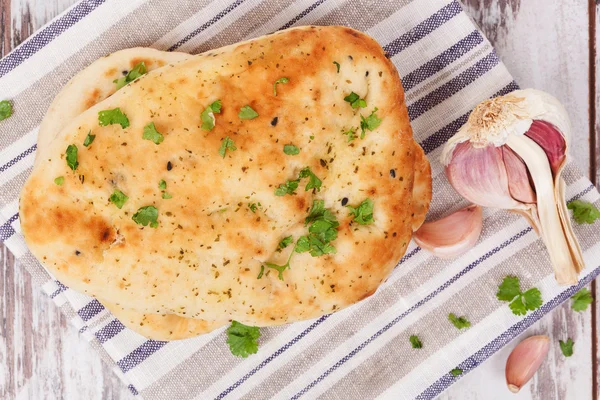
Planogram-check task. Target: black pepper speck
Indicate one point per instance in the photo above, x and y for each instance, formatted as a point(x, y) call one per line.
point(77, 252)
point(274, 121)
point(393, 173)
point(169, 166)
point(124, 72)
point(344, 201)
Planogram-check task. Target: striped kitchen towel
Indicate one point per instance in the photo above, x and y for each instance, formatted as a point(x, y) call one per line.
point(362, 352)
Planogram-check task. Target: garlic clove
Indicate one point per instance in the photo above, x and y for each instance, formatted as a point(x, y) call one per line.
point(551, 141)
point(518, 179)
point(453, 235)
point(565, 218)
point(553, 234)
point(479, 175)
point(525, 360)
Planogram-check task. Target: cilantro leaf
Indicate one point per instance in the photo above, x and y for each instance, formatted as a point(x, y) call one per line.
point(567, 347)
point(118, 198)
point(520, 302)
point(313, 181)
point(261, 273)
point(208, 115)
point(456, 372)
point(114, 116)
point(355, 100)
point(581, 300)
point(584, 212)
point(253, 206)
point(532, 299)
point(162, 185)
point(322, 231)
point(279, 268)
point(288, 187)
point(280, 80)
point(150, 133)
point(60, 180)
point(291, 150)
point(138, 70)
point(6, 109)
point(337, 64)
point(166, 196)
point(459, 322)
point(226, 144)
point(71, 157)
point(89, 139)
point(351, 133)
point(371, 123)
point(286, 241)
point(145, 216)
point(316, 210)
point(247, 112)
point(509, 289)
point(242, 339)
point(363, 214)
point(416, 342)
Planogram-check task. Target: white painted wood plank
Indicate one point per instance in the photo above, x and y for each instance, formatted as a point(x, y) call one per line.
point(544, 44)
point(41, 355)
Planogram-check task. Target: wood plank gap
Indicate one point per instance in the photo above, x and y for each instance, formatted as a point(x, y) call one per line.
point(593, 176)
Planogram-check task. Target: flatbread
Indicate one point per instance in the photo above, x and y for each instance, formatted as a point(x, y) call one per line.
point(94, 84)
point(114, 264)
point(422, 189)
point(90, 86)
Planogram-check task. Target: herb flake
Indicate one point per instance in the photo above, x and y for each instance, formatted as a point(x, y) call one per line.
point(584, 212)
point(151, 133)
point(519, 302)
point(355, 100)
point(208, 115)
point(581, 300)
point(363, 214)
point(138, 70)
point(71, 156)
point(118, 198)
point(242, 339)
point(114, 116)
point(415, 342)
point(6, 109)
point(145, 216)
point(89, 139)
point(226, 144)
point(280, 80)
point(291, 150)
point(566, 347)
point(247, 112)
point(369, 123)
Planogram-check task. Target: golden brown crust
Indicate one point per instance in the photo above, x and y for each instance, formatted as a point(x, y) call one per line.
point(422, 189)
point(161, 326)
point(203, 259)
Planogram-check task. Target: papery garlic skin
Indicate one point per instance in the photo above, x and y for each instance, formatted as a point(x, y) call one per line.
point(511, 114)
point(525, 360)
point(510, 155)
point(452, 235)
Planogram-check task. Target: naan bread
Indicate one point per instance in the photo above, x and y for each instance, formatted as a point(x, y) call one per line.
point(94, 84)
point(204, 264)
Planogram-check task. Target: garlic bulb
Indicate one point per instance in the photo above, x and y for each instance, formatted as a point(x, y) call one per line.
point(453, 235)
point(525, 360)
point(510, 154)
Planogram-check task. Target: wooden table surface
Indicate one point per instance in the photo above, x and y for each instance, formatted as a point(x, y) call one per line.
point(546, 44)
